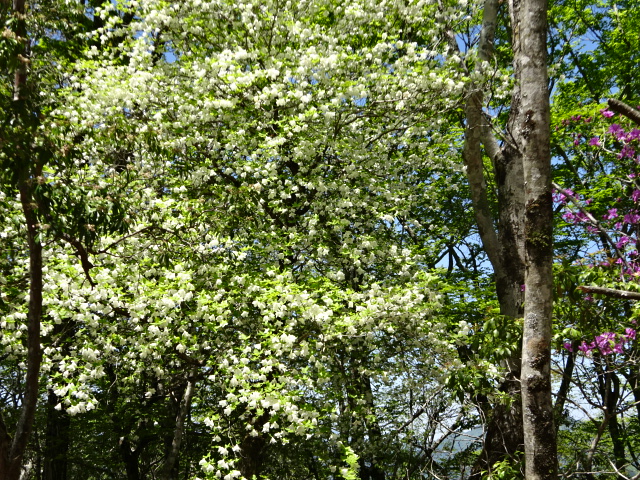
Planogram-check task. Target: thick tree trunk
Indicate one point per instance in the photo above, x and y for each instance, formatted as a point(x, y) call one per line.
point(253, 449)
point(56, 441)
point(531, 131)
point(503, 240)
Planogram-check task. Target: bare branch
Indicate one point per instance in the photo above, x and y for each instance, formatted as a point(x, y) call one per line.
point(610, 292)
point(622, 108)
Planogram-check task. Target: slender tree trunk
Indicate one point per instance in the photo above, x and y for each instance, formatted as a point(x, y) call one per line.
point(169, 469)
point(12, 450)
point(532, 135)
point(609, 386)
point(373, 471)
point(130, 457)
point(565, 385)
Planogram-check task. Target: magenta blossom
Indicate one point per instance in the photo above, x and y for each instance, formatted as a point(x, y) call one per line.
point(586, 348)
point(633, 135)
point(606, 113)
point(617, 131)
point(626, 152)
point(622, 242)
point(606, 343)
point(631, 218)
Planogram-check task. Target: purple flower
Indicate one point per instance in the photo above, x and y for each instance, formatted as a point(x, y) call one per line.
point(617, 131)
point(630, 333)
point(627, 152)
point(594, 142)
point(631, 218)
point(611, 214)
point(559, 198)
point(635, 196)
point(633, 135)
point(606, 113)
point(605, 342)
point(586, 348)
point(567, 346)
point(622, 242)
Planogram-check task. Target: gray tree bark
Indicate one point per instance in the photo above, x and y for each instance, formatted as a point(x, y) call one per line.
point(520, 245)
point(502, 239)
point(531, 133)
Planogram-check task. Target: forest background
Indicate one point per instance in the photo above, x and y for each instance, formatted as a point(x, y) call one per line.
point(289, 239)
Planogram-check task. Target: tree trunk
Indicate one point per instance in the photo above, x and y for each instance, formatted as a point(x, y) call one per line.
point(531, 132)
point(253, 449)
point(504, 245)
point(56, 441)
point(170, 467)
point(12, 450)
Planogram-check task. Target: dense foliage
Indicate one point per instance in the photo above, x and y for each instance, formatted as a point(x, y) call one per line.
point(237, 240)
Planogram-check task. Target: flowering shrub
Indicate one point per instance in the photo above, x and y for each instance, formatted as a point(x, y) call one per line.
point(606, 343)
point(608, 169)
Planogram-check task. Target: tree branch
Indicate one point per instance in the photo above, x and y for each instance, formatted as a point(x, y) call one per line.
point(610, 292)
point(476, 133)
point(624, 109)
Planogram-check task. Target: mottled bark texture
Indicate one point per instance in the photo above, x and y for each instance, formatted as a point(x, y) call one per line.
point(503, 240)
point(531, 133)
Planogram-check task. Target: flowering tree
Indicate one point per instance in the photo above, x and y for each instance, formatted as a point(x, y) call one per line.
point(239, 207)
point(601, 353)
point(257, 287)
